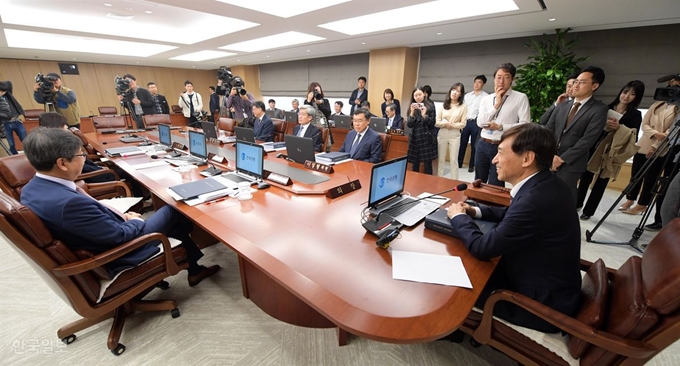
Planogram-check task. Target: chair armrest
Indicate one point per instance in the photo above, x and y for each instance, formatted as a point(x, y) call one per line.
point(110, 255)
point(585, 265)
point(102, 171)
point(94, 187)
point(613, 343)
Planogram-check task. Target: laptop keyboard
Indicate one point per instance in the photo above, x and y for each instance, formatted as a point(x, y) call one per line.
point(401, 207)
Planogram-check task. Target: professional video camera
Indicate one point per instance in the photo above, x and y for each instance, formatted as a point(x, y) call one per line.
point(230, 81)
point(46, 85)
point(669, 94)
point(122, 85)
point(201, 116)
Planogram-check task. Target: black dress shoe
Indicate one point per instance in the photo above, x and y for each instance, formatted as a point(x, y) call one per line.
point(471, 169)
point(456, 337)
point(656, 226)
point(200, 276)
point(585, 217)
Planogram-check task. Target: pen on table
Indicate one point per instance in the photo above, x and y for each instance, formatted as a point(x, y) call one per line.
point(217, 200)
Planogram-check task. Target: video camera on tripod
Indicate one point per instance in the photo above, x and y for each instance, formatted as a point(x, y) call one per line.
point(122, 85)
point(230, 81)
point(46, 86)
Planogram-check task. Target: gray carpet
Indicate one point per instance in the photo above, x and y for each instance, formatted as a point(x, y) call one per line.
point(218, 326)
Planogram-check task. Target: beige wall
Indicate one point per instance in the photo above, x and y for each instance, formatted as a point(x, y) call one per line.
point(94, 86)
point(394, 68)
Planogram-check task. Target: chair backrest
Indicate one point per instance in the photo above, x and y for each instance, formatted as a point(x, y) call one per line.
point(108, 111)
point(279, 129)
point(386, 141)
point(33, 114)
point(105, 123)
point(30, 238)
point(324, 137)
point(156, 119)
point(86, 143)
point(227, 125)
point(15, 173)
point(644, 299)
point(175, 108)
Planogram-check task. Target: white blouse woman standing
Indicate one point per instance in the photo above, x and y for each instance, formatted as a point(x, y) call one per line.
point(451, 119)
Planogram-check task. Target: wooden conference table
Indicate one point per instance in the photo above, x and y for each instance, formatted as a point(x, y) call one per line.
point(306, 260)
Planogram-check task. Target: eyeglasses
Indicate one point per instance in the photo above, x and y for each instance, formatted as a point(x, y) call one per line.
point(581, 82)
point(83, 155)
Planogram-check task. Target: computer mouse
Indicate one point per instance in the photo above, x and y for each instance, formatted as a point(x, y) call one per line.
point(154, 156)
point(263, 185)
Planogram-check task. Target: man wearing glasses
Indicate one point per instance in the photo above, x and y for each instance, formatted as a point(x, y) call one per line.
point(577, 125)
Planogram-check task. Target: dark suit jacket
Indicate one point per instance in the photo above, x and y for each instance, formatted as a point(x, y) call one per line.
point(314, 133)
point(145, 99)
point(370, 147)
point(214, 102)
point(164, 104)
point(353, 97)
point(397, 107)
point(581, 135)
point(83, 223)
point(398, 123)
point(264, 130)
point(539, 239)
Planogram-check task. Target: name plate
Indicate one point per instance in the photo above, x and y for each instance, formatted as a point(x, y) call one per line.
point(216, 158)
point(323, 168)
point(178, 146)
point(280, 179)
point(214, 141)
point(395, 132)
point(344, 189)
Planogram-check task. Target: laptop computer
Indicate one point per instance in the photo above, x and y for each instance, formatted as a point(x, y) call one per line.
point(209, 130)
point(299, 148)
point(269, 112)
point(291, 117)
point(385, 194)
point(249, 163)
point(164, 135)
point(378, 124)
point(244, 134)
point(343, 121)
point(198, 151)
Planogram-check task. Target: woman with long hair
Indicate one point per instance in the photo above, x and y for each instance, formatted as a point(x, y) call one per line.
point(451, 119)
point(625, 103)
point(388, 97)
point(322, 107)
point(422, 143)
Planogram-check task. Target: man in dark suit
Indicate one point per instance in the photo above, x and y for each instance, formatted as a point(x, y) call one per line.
point(161, 104)
point(564, 97)
point(263, 126)
point(359, 95)
point(337, 108)
point(138, 101)
point(80, 221)
point(214, 105)
point(537, 236)
point(306, 129)
point(362, 143)
point(577, 125)
point(394, 121)
point(278, 114)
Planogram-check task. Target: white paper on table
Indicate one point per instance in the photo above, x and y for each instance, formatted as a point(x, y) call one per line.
point(122, 204)
point(429, 268)
point(439, 200)
point(152, 164)
point(614, 114)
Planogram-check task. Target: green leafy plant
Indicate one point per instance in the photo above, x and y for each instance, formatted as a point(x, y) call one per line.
point(544, 77)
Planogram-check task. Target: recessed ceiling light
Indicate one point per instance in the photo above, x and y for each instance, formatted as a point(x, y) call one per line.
point(363, 42)
point(308, 51)
point(74, 59)
point(148, 11)
point(403, 17)
point(128, 8)
point(238, 60)
point(61, 42)
point(267, 56)
point(202, 56)
point(284, 9)
point(439, 33)
point(276, 41)
point(107, 4)
point(193, 66)
point(551, 19)
point(179, 25)
point(137, 61)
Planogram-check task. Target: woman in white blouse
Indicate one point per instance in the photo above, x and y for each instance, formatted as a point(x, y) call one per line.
point(451, 119)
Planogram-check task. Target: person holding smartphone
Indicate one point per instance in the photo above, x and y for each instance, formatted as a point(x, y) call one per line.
point(422, 143)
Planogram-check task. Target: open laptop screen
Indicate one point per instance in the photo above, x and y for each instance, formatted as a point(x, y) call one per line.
point(197, 145)
point(387, 180)
point(249, 159)
point(164, 135)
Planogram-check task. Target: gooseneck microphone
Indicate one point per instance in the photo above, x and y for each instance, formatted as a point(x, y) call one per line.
point(458, 188)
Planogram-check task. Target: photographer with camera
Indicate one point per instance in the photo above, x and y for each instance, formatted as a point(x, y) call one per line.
point(238, 101)
point(49, 90)
point(10, 110)
point(137, 100)
point(316, 99)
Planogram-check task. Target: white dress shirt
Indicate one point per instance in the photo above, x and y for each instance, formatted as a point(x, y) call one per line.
point(472, 101)
point(514, 111)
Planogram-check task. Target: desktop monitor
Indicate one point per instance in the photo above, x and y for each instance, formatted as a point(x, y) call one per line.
point(250, 159)
point(387, 180)
point(164, 135)
point(197, 145)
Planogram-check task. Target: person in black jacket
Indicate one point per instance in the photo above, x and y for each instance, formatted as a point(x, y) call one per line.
point(422, 143)
point(316, 99)
point(160, 103)
point(138, 101)
point(359, 95)
point(10, 110)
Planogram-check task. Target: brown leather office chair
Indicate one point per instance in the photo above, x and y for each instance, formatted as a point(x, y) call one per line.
point(75, 275)
point(91, 151)
point(627, 316)
point(152, 120)
point(107, 111)
point(175, 108)
point(33, 115)
point(279, 129)
point(324, 138)
point(109, 123)
point(386, 141)
point(227, 125)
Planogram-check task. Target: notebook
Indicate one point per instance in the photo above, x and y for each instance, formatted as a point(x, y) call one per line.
point(197, 188)
point(342, 121)
point(249, 163)
point(291, 117)
point(209, 130)
point(244, 134)
point(378, 124)
point(299, 148)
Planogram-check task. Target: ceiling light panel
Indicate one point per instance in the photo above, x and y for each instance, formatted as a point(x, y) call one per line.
point(166, 23)
point(283, 9)
point(417, 15)
point(202, 56)
point(59, 42)
point(275, 41)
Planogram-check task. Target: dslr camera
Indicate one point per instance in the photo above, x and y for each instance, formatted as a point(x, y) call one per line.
point(46, 85)
point(317, 95)
point(122, 85)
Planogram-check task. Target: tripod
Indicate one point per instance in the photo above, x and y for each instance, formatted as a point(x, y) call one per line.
point(660, 188)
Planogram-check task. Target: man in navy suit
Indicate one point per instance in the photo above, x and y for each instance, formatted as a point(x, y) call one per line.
point(359, 95)
point(362, 143)
point(80, 221)
point(306, 129)
point(538, 236)
point(264, 127)
point(214, 105)
point(394, 121)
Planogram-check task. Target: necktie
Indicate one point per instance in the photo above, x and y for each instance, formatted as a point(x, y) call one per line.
point(574, 109)
point(389, 125)
point(191, 104)
point(301, 133)
point(118, 213)
point(355, 145)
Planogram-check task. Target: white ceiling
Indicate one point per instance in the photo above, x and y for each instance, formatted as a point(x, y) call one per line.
point(206, 25)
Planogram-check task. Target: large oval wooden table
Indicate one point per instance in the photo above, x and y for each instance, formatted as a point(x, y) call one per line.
point(306, 260)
